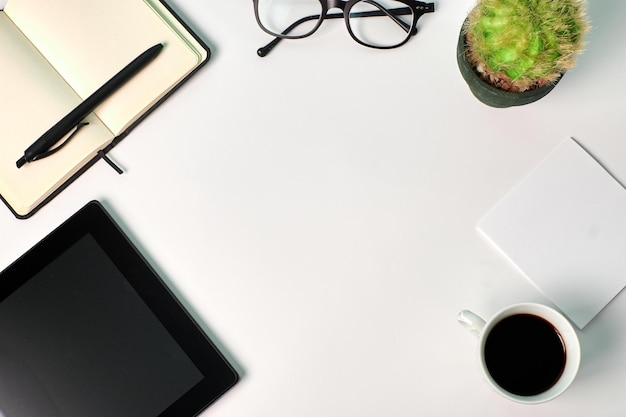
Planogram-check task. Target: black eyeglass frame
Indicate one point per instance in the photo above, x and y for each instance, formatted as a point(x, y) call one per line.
point(415, 7)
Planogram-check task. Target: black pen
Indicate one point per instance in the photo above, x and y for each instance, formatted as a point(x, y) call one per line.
point(73, 118)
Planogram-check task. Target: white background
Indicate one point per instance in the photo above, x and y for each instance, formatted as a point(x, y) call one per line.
point(316, 210)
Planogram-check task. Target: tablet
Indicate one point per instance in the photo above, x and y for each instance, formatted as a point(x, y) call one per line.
point(87, 328)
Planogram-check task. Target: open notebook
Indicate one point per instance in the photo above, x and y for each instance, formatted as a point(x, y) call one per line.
point(54, 55)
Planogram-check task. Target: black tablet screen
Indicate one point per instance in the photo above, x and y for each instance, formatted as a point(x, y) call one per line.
point(77, 340)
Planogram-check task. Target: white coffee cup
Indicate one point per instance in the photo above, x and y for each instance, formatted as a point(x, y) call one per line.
point(564, 329)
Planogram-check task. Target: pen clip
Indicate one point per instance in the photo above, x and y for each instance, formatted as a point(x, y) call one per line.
point(56, 149)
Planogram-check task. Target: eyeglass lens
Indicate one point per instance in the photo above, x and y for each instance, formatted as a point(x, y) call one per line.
point(289, 18)
point(378, 23)
point(381, 23)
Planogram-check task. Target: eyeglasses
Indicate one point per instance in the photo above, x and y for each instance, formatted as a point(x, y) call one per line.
point(380, 24)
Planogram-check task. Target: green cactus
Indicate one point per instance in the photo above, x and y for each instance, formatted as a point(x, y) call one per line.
point(518, 45)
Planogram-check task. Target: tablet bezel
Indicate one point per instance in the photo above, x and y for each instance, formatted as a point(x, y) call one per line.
point(218, 374)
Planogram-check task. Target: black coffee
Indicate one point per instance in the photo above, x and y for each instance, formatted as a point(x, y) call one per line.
point(525, 354)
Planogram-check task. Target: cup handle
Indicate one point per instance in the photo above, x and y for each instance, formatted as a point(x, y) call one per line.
point(471, 322)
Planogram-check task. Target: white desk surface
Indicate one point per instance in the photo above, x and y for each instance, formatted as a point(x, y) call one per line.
point(316, 210)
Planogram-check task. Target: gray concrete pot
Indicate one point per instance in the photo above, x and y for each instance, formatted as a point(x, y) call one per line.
point(489, 94)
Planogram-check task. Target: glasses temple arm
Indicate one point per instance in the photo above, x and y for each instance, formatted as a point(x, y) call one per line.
point(391, 13)
point(264, 50)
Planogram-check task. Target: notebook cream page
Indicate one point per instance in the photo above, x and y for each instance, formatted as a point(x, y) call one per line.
point(87, 46)
point(34, 97)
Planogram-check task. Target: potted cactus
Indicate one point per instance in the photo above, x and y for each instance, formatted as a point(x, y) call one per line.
point(513, 52)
